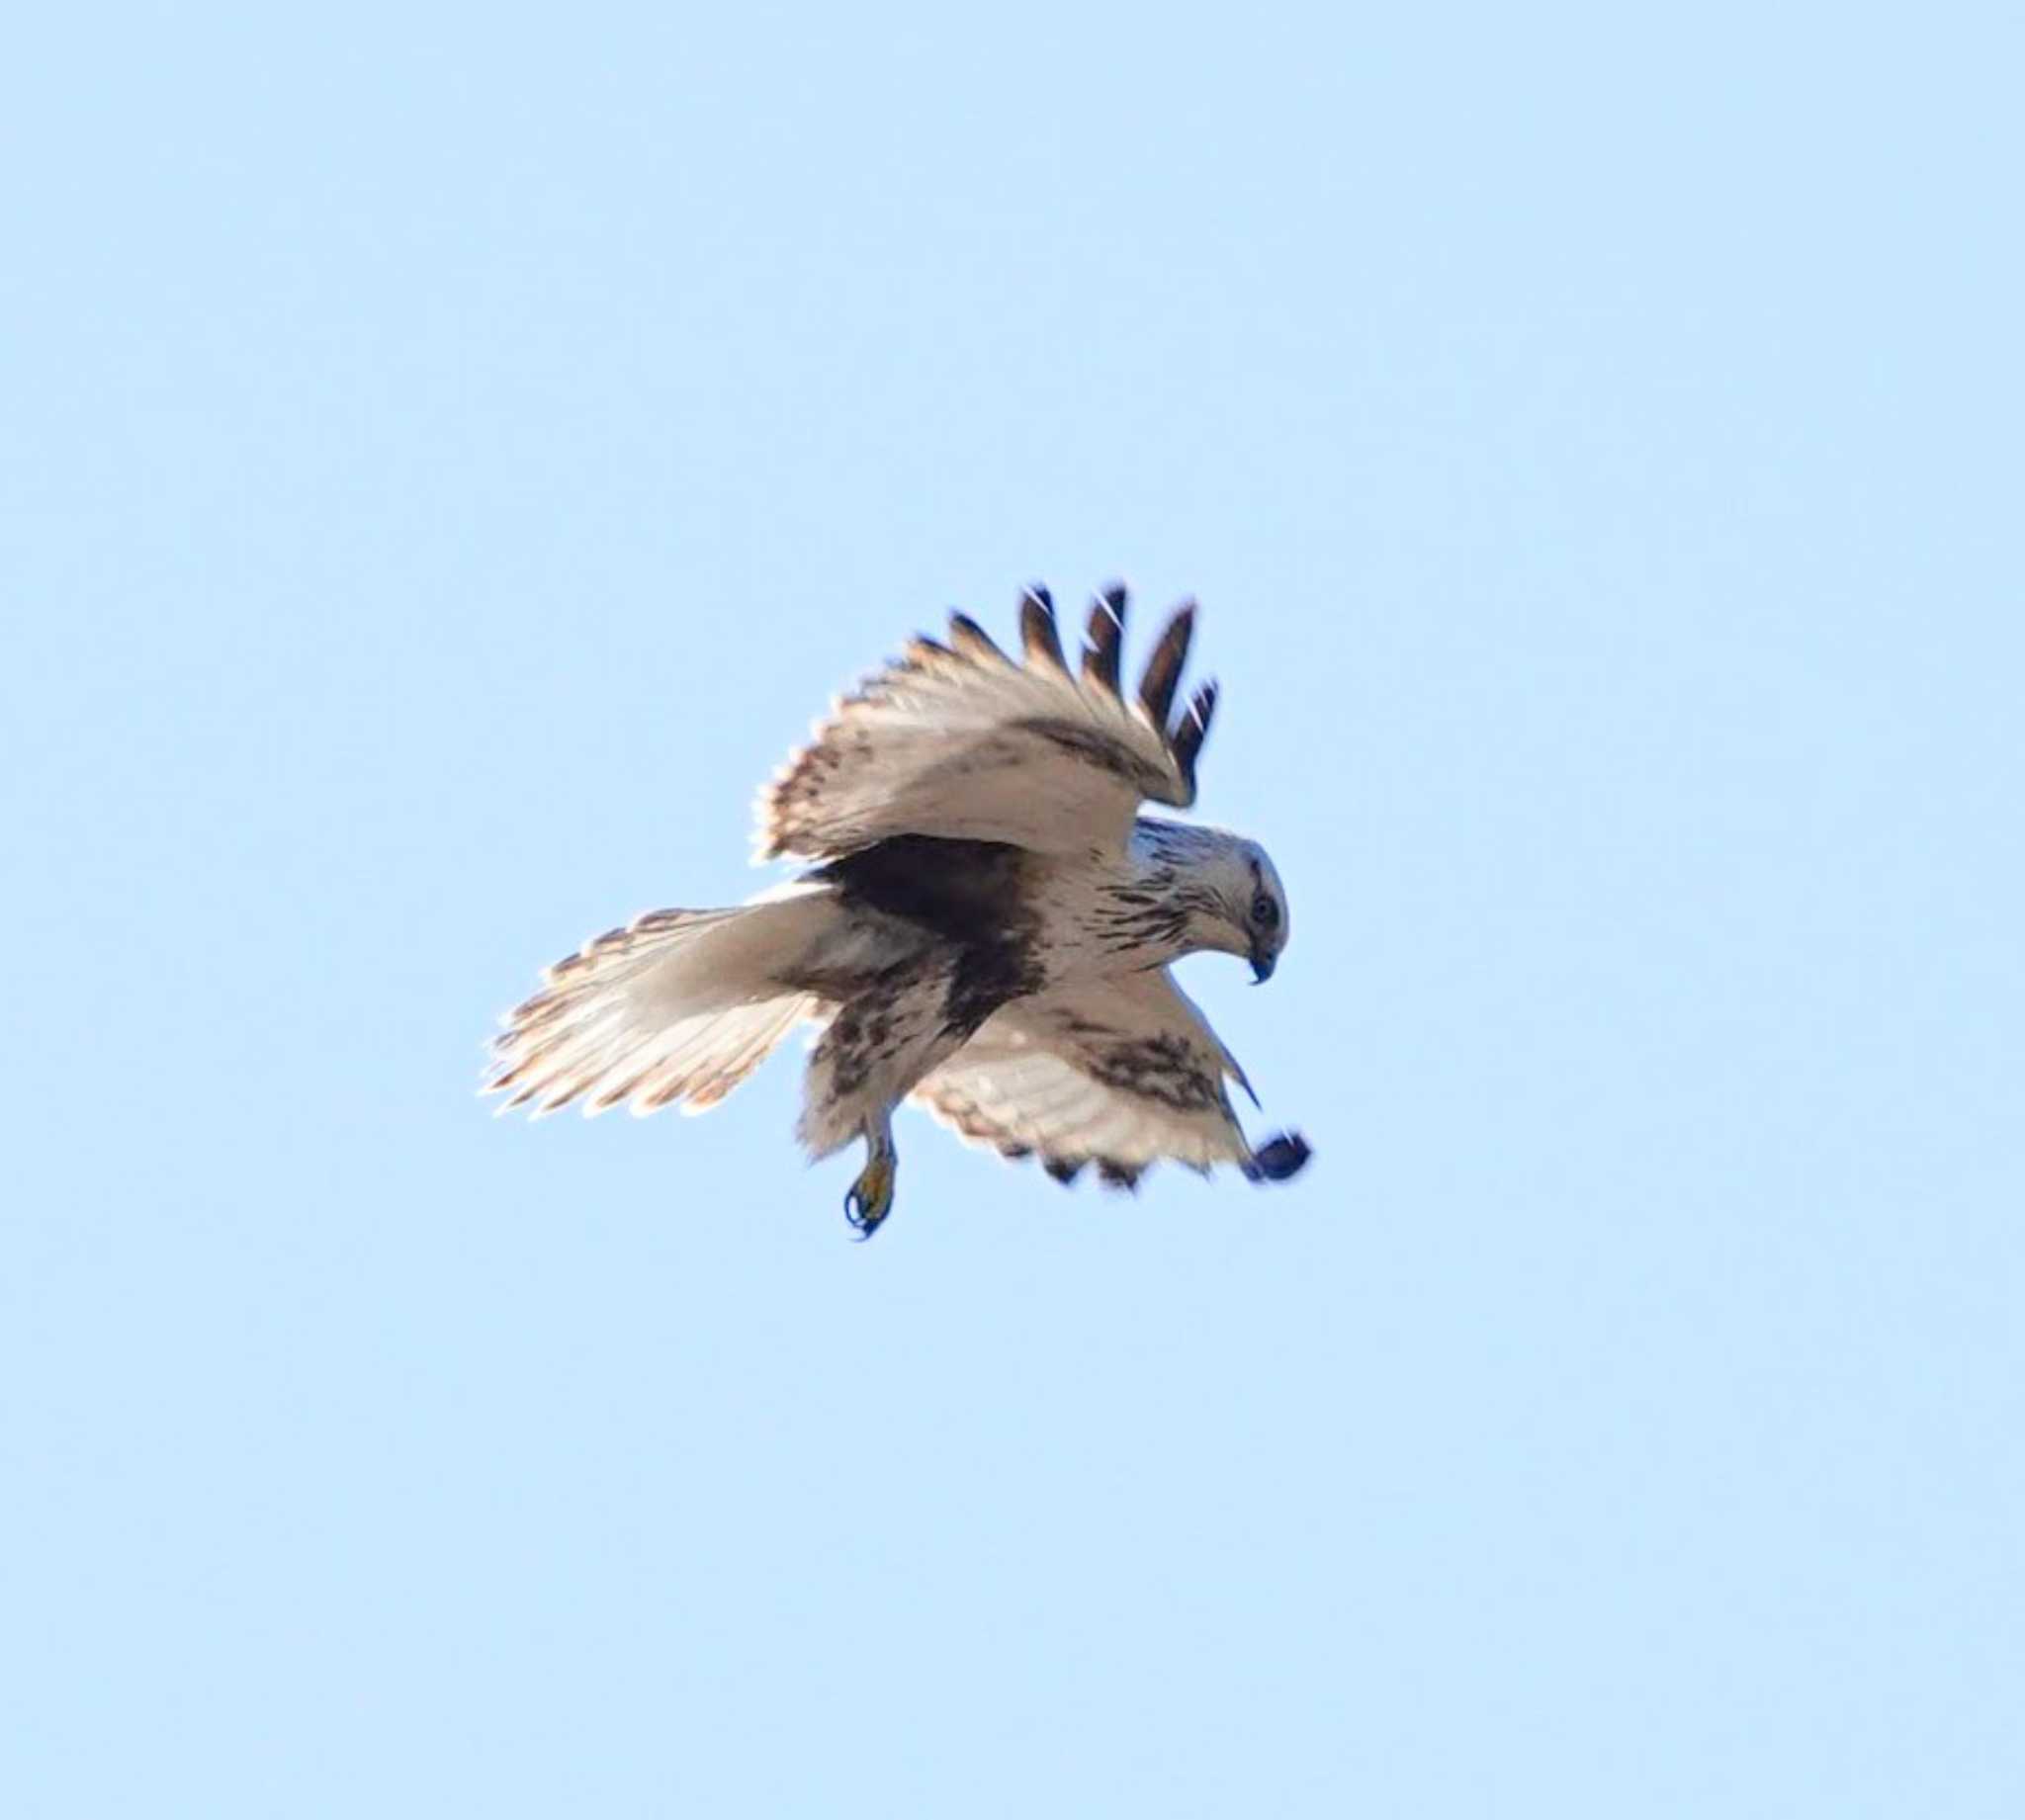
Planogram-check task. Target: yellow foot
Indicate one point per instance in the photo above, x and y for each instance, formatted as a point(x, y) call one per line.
point(870, 1198)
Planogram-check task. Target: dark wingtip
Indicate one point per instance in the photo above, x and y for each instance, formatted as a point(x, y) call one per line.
point(972, 640)
point(1107, 637)
point(921, 649)
point(1038, 630)
point(1061, 1170)
point(1119, 1174)
point(1194, 729)
point(1279, 1158)
point(1163, 667)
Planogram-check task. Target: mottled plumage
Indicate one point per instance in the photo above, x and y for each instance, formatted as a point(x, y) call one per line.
point(984, 925)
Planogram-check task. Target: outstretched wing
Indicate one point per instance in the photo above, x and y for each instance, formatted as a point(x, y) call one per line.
point(1119, 1072)
point(961, 742)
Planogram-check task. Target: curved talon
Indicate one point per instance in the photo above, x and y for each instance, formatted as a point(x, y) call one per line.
point(1279, 1158)
point(863, 1220)
point(869, 1199)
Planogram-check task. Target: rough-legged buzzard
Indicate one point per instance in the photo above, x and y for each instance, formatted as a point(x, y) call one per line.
point(986, 928)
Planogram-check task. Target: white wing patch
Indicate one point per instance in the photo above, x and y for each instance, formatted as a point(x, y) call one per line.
point(960, 741)
point(1120, 1072)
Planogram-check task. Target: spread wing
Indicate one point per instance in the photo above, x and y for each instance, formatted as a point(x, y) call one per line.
point(1119, 1072)
point(961, 742)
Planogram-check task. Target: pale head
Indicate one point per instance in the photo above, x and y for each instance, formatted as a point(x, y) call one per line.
point(1226, 887)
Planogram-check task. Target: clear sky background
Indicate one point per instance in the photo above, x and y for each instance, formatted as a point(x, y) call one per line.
point(449, 457)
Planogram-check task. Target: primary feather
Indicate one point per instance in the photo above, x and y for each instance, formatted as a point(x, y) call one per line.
point(958, 741)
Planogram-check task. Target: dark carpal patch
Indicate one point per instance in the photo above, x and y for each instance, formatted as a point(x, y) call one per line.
point(1165, 1069)
point(1098, 749)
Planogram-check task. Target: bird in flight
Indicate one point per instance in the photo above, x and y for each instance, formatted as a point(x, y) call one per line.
point(985, 927)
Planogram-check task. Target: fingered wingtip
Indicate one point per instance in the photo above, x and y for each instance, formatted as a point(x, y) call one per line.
point(1103, 640)
point(1038, 630)
point(1164, 668)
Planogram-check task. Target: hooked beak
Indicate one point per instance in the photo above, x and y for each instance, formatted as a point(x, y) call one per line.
point(1262, 966)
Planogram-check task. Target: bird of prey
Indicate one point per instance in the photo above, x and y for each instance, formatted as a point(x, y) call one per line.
point(985, 927)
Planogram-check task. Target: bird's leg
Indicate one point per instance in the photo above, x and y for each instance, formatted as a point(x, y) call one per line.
point(870, 1198)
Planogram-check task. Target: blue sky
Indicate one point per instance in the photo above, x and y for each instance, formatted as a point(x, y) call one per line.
point(448, 460)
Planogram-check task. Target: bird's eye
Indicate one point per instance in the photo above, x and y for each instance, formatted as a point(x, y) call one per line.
point(1265, 912)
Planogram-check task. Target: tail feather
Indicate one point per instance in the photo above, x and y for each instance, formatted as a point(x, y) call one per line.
point(678, 1007)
